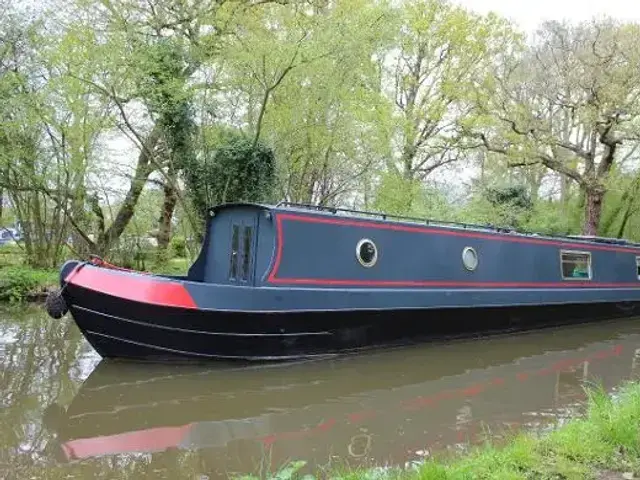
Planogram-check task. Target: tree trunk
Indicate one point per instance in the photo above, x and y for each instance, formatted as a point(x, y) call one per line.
point(166, 214)
point(25, 225)
point(593, 210)
point(40, 237)
point(625, 220)
point(80, 218)
point(125, 213)
point(408, 155)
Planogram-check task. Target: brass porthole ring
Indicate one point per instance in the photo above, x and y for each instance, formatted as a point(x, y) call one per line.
point(469, 258)
point(367, 253)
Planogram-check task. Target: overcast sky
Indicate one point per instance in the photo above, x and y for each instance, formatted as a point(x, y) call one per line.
point(530, 13)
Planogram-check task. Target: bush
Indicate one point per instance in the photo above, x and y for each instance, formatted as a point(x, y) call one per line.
point(11, 255)
point(174, 266)
point(161, 258)
point(18, 284)
point(132, 252)
point(179, 246)
point(234, 170)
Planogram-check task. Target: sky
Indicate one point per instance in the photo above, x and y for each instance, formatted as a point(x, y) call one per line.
point(530, 13)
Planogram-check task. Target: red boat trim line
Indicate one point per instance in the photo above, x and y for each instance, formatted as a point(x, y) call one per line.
point(280, 241)
point(452, 283)
point(134, 287)
point(273, 275)
point(438, 231)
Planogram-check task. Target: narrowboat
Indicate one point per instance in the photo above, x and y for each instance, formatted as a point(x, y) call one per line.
point(291, 281)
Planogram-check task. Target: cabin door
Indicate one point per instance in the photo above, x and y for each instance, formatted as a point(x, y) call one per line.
point(243, 244)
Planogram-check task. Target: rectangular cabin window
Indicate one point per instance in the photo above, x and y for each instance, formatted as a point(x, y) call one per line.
point(638, 267)
point(576, 265)
point(246, 259)
point(235, 244)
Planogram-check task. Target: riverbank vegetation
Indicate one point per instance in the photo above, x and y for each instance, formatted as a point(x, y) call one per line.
point(21, 282)
point(121, 122)
point(603, 444)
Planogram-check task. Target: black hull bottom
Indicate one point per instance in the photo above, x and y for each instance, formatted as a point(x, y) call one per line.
point(119, 328)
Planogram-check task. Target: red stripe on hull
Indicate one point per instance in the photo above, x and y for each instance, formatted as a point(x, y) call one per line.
point(273, 275)
point(138, 288)
point(452, 283)
point(279, 239)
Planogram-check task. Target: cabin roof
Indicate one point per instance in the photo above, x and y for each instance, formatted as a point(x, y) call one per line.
point(388, 218)
point(231, 205)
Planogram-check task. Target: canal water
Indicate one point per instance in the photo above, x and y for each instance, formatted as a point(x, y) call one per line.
point(68, 414)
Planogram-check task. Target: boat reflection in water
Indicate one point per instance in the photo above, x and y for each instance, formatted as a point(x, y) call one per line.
point(386, 407)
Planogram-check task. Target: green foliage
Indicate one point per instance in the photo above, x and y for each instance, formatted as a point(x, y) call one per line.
point(11, 255)
point(133, 251)
point(567, 68)
point(398, 195)
point(143, 222)
point(288, 471)
point(515, 196)
point(621, 206)
point(19, 284)
point(162, 68)
point(445, 52)
point(512, 203)
point(179, 246)
point(555, 218)
point(233, 171)
point(318, 78)
point(173, 266)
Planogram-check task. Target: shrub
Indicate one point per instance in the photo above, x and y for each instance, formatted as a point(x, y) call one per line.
point(234, 170)
point(11, 255)
point(179, 246)
point(17, 284)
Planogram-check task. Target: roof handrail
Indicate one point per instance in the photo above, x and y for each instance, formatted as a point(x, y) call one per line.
point(386, 216)
point(466, 225)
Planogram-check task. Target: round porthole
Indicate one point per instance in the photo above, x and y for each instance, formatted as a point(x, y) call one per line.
point(469, 258)
point(366, 252)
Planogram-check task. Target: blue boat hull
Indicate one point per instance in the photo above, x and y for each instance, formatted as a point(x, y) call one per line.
point(118, 328)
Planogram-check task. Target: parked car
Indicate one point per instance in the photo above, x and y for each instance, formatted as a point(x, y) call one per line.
point(9, 235)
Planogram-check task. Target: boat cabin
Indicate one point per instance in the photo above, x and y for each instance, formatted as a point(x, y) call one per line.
point(287, 245)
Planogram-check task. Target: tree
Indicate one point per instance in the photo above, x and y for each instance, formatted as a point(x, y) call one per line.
point(164, 86)
point(443, 50)
point(234, 170)
point(622, 202)
point(35, 175)
point(511, 201)
point(309, 84)
point(571, 103)
point(155, 51)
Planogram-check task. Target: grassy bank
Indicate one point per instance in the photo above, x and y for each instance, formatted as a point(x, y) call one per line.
point(20, 283)
point(604, 444)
